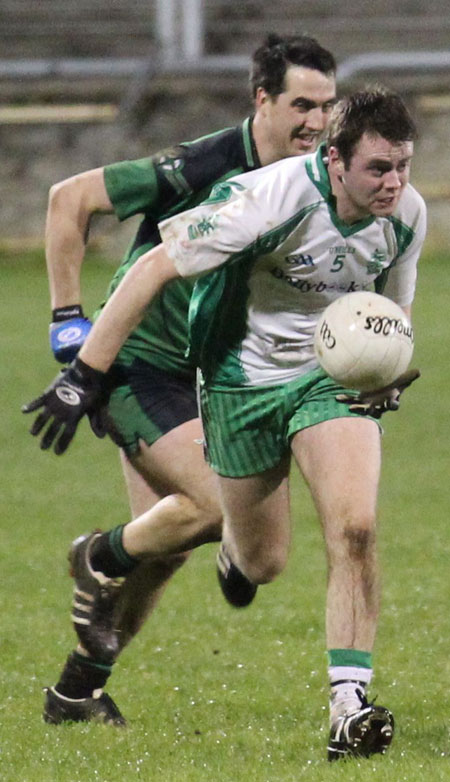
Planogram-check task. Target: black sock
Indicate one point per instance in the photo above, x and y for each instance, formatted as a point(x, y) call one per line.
point(81, 676)
point(109, 556)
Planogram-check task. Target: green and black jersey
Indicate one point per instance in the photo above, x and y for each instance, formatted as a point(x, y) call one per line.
point(158, 187)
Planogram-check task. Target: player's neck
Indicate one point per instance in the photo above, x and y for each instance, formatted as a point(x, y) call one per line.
point(265, 148)
point(346, 209)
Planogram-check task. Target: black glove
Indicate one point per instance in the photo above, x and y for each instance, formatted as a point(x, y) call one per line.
point(375, 403)
point(77, 390)
point(98, 418)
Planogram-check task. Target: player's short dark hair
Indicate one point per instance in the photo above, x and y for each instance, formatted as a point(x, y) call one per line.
point(271, 61)
point(376, 110)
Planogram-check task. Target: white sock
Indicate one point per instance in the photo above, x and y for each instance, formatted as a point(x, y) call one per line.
point(348, 685)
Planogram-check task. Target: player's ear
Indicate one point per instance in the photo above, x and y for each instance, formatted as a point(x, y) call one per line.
point(333, 156)
point(261, 97)
point(335, 162)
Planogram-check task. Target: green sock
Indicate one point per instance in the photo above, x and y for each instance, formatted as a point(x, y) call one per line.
point(109, 556)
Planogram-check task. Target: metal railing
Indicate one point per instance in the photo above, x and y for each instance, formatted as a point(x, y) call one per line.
point(350, 68)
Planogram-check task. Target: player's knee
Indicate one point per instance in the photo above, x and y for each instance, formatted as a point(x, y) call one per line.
point(358, 540)
point(264, 567)
point(353, 539)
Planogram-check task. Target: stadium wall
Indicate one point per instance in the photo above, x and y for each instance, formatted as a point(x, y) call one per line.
point(52, 126)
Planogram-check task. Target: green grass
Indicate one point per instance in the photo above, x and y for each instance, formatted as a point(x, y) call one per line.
point(210, 693)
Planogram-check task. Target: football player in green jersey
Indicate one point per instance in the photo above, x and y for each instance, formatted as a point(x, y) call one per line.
point(152, 410)
point(264, 397)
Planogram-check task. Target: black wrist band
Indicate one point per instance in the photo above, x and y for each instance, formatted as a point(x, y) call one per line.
point(65, 313)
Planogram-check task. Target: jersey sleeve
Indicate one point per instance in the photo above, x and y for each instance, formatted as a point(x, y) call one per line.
point(401, 280)
point(151, 185)
point(234, 223)
point(132, 186)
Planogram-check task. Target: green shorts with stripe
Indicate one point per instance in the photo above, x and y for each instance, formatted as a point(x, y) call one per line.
point(147, 402)
point(248, 430)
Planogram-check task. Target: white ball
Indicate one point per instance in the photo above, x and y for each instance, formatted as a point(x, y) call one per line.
point(364, 341)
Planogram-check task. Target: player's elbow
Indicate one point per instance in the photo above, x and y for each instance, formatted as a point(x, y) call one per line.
point(57, 195)
point(65, 199)
point(78, 197)
point(157, 265)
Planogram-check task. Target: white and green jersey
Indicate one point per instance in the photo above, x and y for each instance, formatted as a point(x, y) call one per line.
point(272, 254)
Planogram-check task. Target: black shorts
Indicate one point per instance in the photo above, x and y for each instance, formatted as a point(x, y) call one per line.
point(147, 402)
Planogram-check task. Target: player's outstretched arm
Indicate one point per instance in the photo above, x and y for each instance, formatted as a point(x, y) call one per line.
point(78, 390)
point(70, 208)
point(126, 307)
point(375, 403)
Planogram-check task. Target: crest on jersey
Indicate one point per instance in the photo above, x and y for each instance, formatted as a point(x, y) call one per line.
point(376, 263)
point(171, 166)
point(202, 227)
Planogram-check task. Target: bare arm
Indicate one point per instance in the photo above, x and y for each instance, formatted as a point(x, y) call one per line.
point(70, 207)
point(126, 307)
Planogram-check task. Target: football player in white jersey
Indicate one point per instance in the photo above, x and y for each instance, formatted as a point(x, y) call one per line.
point(279, 245)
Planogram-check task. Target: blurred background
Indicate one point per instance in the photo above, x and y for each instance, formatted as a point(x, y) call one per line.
point(210, 693)
point(94, 81)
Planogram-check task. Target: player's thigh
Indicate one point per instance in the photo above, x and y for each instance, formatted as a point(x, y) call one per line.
point(141, 496)
point(175, 463)
point(153, 417)
point(256, 519)
point(340, 460)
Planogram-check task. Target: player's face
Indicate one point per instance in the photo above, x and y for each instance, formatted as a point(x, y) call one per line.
point(375, 179)
point(296, 118)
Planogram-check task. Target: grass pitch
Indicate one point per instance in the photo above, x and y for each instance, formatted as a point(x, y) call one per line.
point(212, 693)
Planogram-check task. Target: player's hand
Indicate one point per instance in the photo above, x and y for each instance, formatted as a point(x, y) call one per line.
point(98, 419)
point(67, 332)
point(375, 403)
point(76, 391)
